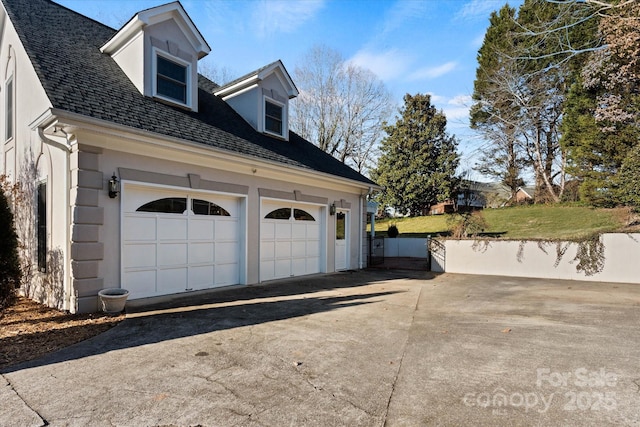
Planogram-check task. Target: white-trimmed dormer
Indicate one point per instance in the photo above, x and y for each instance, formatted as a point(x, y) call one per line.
point(262, 99)
point(159, 49)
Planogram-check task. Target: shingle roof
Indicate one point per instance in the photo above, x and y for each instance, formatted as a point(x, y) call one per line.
point(64, 48)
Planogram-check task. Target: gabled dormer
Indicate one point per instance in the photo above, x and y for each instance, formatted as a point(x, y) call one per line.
point(159, 49)
point(262, 99)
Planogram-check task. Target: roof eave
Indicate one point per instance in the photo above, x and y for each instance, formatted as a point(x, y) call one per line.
point(75, 120)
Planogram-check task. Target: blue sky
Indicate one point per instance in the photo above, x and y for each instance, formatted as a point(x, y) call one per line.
point(414, 46)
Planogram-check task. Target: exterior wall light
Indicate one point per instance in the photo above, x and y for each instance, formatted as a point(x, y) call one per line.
point(332, 209)
point(114, 187)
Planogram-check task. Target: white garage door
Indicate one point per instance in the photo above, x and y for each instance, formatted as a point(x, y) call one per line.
point(290, 243)
point(173, 241)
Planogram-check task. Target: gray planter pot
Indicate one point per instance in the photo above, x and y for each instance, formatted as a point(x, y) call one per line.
point(112, 300)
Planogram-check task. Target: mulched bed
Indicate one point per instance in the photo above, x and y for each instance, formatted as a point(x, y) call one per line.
point(29, 330)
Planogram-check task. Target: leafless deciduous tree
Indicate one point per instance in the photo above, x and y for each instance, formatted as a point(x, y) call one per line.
point(341, 107)
point(218, 75)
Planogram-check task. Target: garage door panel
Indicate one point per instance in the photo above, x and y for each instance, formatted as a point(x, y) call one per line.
point(299, 248)
point(172, 254)
point(299, 231)
point(298, 266)
point(282, 268)
point(139, 255)
point(313, 230)
point(201, 253)
point(172, 228)
point(140, 283)
point(267, 270)
point(226, 229)
point(142, 228)
point(226, 274)
point(283, 250)
point(201, 277)
point(226, 252)
point(313, 248)
point(201, 229)
point(313, 264)
point(268, 250)
point(283, 231)
point(267, 230)
point(171, 280)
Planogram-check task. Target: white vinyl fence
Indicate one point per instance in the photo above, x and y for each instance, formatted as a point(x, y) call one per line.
point(410, 247)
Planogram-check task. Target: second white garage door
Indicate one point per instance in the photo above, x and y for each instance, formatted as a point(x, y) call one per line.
point(173, 241)
point(290, 240)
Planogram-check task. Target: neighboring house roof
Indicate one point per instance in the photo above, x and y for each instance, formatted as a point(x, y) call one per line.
point(528, 191)
point(64, 48)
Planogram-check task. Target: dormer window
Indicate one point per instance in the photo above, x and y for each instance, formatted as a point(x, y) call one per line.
point(273, 117)
point(171, 78)
point(262, 99)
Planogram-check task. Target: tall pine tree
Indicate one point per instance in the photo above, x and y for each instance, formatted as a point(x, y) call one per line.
point(418, 163)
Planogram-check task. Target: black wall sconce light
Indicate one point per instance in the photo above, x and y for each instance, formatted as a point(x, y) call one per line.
point(332, 209)
point(114, 187)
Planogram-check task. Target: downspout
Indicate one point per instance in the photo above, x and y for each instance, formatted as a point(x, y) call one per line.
point(361, 226)
point(69, 302)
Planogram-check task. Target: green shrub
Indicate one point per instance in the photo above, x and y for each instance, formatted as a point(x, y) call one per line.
point(467, 224)
point(392, 231)
point(10, 273)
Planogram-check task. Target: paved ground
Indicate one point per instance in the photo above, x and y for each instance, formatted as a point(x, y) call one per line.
point(366, 348)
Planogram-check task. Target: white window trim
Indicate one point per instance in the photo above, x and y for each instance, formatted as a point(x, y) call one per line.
point(285, 122)
point(10, 81)
point(154, 77)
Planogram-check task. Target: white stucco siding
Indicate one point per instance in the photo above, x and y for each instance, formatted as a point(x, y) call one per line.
point(30, 162)
point(247, 104)
point(130, 59)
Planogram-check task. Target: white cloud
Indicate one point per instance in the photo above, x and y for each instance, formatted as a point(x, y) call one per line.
point(456, 114)
point(477, 42)
point(478, 9)
point(436, 99)
point(386, 65)
point(461, 100)
point(282, 16)
point(433, 72)
point(403, 11)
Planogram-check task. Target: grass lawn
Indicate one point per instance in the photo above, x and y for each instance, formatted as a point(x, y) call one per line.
point(524, 222)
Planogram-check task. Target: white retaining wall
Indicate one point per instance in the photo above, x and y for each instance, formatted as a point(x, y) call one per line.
point(412, 247)
point(540, 260)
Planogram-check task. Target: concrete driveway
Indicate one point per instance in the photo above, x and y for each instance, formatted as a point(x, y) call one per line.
point(366, 348)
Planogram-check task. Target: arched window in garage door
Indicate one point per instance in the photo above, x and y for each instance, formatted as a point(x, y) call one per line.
point(285, 214)
point(178, 205)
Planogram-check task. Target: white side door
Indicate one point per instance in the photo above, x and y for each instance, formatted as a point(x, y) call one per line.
point(342, 240)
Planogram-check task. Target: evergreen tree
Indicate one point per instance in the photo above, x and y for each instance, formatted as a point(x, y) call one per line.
point(600, 126)
point(419, 159)
point(629, 179)
point(10, 273)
